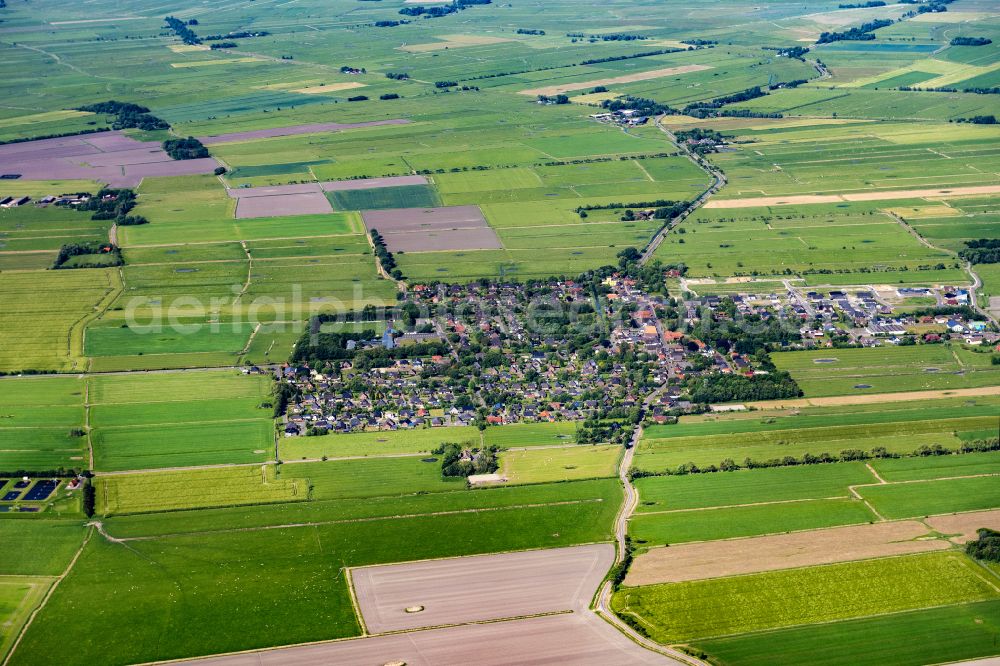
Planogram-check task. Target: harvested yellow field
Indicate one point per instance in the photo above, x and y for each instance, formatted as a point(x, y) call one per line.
point(853, 196)
point(454, 42)
point(47, 117)
point(628, 78)
point(289, 85)
point(209, 63)
point(873, 398)
point(593, 98)
point(925, 211)
point(187, 48)
point(697, 561)
point(329, 88)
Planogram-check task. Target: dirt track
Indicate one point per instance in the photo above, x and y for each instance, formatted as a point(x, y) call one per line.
point(781, 551)
point(798, 199)
point(628, 78)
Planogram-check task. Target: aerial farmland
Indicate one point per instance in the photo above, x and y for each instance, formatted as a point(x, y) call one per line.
point(475, 332)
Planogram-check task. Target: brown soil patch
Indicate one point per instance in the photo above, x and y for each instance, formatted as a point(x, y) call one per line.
point(838, 400)
point(853, 196)
point(965, 524)
point(628, 78)
point(696, 561)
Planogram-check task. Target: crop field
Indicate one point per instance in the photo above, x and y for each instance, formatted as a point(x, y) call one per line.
point(40, 413)
point(887, 369)
point(922, 498)
point(195, 489)
point(805, 596)
point(965, 631)
point(19, 596)
point(541, 465)
point(150, 421)
point(899, 428)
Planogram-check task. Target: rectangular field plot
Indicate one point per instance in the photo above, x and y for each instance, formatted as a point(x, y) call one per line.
point(727, 523)
point(665, 493)
point(542, 465)
point(43, 423)
point(39, 547)
point(310, 203)
point(701, 609)
point(433, 229)
point(517, 584)
point(884, 370)
point(179, 420)
point(372, 477)
point(373, 443)
point(935, 635)
point(925, 498)
point(409, 196)
point(936, 467)
point(899, 428)
point(47, 310)
point(697, 561)
point(195, 489)
point(19, 596)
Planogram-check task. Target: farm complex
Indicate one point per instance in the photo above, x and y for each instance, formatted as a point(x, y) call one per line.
point(423, 332)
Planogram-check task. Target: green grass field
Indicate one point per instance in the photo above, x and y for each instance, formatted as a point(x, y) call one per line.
point(965, 631)
point(906, 500)
point(562, 464)
point(804, 596)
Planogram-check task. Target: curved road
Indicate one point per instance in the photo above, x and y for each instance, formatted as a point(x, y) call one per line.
point(602, 604)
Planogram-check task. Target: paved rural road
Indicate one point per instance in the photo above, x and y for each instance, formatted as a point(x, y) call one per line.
point(603, 601)
point(718, 180)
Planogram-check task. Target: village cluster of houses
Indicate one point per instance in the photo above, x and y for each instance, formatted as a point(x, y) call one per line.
point(862, 316)
point(625, 118)
point(505, 364)
point(521, 372)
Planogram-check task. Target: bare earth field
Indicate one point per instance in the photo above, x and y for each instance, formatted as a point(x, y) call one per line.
point(582, 639)
point(372, 183)
point(965, 524)
point(294, 130)
point(628, 78)
point(307, 203)
point(108, 157)
point(781, 551)
point(433, 229)
point(855, 196)
point(492, 587)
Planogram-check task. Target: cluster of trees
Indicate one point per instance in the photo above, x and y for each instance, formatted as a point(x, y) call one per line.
point(389, 24)
point(646, 107)
point(529, 31)
point(847, 455)
point(358, 98)
point(185, 149)
point(935, 6)
point(105, 254)
point(971, 41)
point(862, 5)
point(986, 547)
point(384, 256)
point(442, 10)
point(726, 388)
point(182, 29)
point(795, 52)
point(700, 134)
point(127, 115)
point(464, 461)
point(109, 204)
point(862, 33)
point(558, 99)
point(388, 96)
point(223, 45)
point(978, 120)
point(397, 76)
point(284, 393)
point(982, 251)
point(318, 346)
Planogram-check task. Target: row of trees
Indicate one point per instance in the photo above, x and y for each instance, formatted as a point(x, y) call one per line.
point(385, 257)
point(847, 455)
